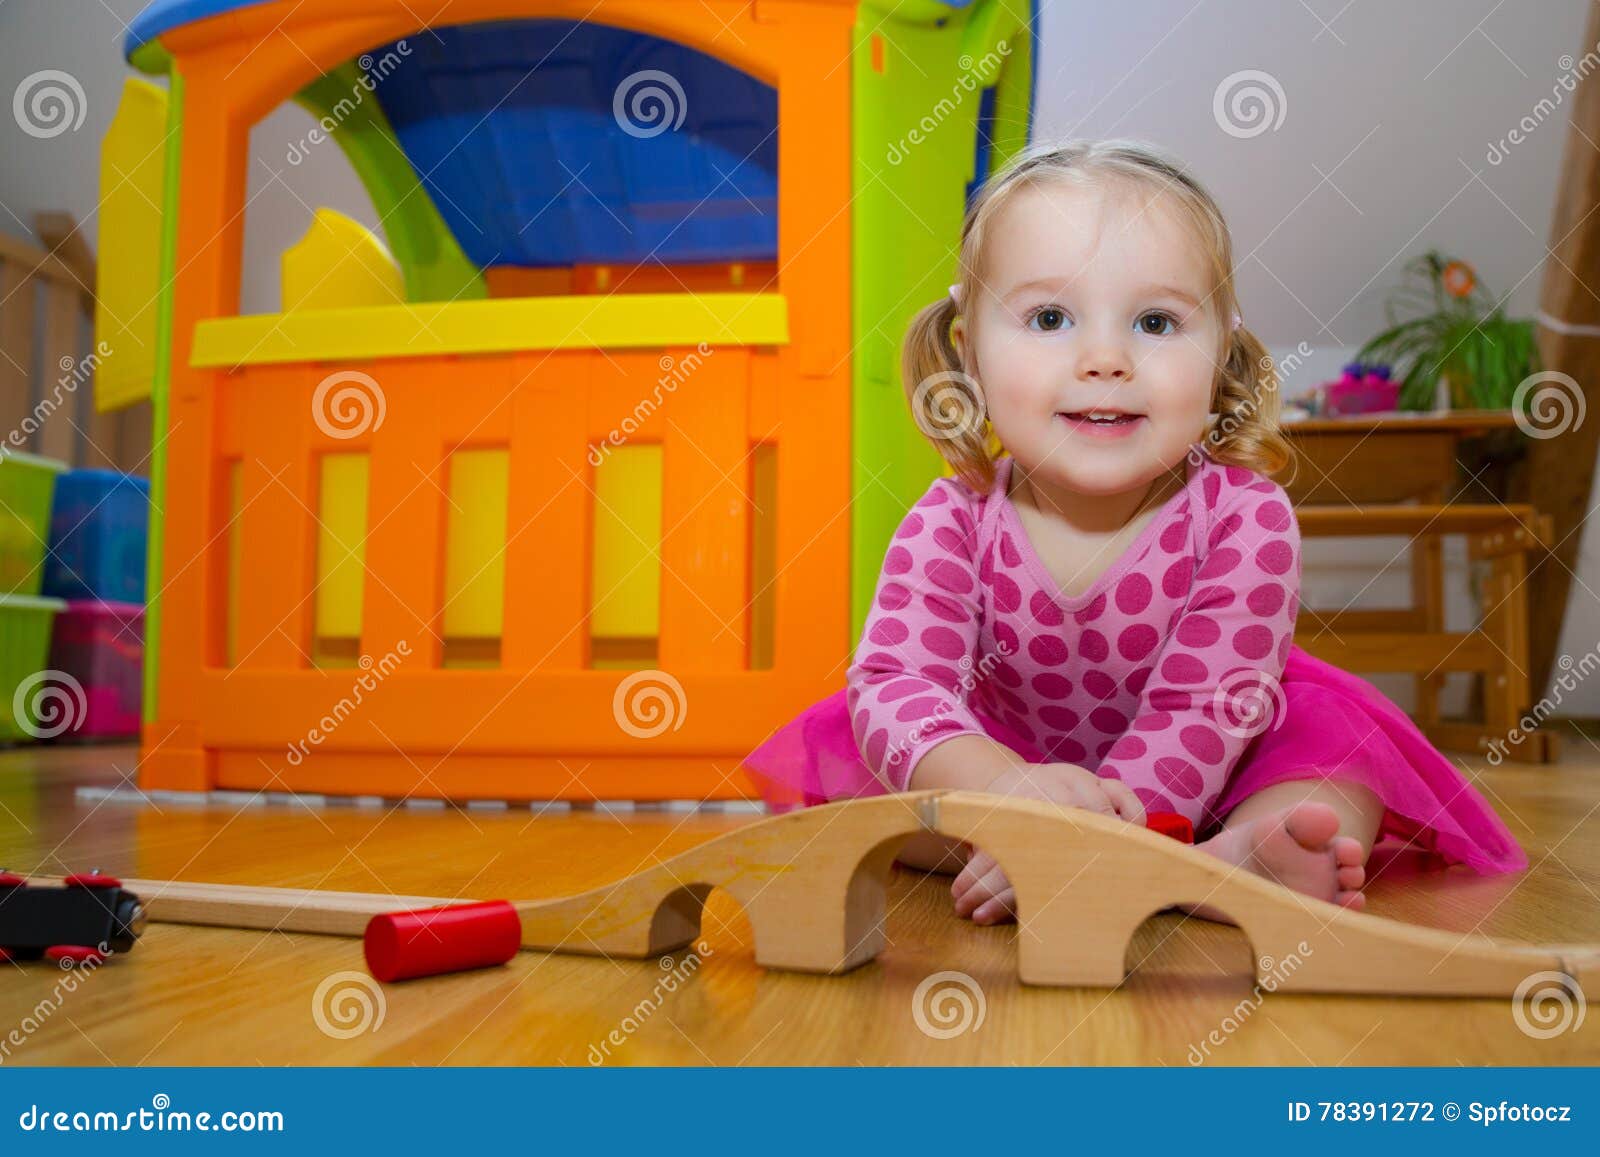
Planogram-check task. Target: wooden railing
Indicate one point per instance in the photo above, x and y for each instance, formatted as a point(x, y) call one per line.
point(48, 359)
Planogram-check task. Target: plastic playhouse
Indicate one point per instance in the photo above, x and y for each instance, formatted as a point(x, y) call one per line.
point(575, 482)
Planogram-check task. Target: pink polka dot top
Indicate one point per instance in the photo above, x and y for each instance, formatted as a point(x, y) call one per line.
point(1150, 676)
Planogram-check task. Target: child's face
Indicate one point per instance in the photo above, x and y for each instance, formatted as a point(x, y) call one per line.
point(1093, 300)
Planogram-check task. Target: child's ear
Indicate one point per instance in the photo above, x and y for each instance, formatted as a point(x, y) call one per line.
point(958, 338)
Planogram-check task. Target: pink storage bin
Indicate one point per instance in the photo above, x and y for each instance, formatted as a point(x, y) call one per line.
point(1361, 390)
point(100, 646)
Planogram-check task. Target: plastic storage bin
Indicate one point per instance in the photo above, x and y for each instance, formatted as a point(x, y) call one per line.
point(27, 483)
point(99, 523)
point(100, 646)
point(27, 701)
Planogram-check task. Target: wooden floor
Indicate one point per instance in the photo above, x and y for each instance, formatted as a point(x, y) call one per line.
point(214, 996)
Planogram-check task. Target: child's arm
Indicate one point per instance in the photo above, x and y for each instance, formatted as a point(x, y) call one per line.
point(934, 853)
point(963, 763)
point(905, 689)
point(1222, 658)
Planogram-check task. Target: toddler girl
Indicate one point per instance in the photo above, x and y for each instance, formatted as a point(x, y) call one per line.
point(1103, 614)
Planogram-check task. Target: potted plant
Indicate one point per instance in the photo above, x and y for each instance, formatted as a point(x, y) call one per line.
point(1456, 333)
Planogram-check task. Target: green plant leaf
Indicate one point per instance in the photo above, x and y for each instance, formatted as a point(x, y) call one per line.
point(1469, 340)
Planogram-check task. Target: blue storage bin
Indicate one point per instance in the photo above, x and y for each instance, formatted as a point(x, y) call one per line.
point(99, 526)
point(513, 128)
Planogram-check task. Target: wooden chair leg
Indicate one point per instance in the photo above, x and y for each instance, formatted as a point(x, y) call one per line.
point(1508, 691)
point(1427, 595)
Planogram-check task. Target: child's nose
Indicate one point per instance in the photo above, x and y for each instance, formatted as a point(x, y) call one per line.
point(1105, 363)
point(1103, 357)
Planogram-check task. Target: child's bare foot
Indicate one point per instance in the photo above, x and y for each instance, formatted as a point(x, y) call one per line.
point(1298, 846)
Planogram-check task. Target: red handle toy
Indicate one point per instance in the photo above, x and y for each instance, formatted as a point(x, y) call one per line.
point(1170, 824)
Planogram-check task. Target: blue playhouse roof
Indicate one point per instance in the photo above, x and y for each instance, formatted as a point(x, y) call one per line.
point(541, 141)
point(163, 15)
point(514, 129)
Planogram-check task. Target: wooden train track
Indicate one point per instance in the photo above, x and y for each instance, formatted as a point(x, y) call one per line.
point(813, 884)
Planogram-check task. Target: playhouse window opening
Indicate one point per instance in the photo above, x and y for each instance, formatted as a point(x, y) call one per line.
point(473, 616)
point(342, 484)
point(625, 595)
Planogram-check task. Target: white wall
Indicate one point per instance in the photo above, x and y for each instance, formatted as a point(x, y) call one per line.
point(84, 38)
point(1388, 113)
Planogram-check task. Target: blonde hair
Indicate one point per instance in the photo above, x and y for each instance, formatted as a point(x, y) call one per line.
point(946, 402)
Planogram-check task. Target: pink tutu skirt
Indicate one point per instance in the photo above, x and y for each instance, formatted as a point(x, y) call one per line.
point(1333, 725)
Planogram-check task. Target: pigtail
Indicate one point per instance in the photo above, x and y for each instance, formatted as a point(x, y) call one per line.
point(946, 402)
point(1245, 429)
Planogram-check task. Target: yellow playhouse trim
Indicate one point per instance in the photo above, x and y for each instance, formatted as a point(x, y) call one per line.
point(339, 264)
point(617, 321)
point(128, 281)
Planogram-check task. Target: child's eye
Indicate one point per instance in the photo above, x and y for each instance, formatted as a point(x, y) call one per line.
point(1157, 324)
point(1048, 317)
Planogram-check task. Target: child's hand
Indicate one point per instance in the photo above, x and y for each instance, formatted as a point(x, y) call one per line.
point(981, 890)
point(1069, 784)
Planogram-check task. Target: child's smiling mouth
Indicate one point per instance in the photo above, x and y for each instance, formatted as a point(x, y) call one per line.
point(1102, 423)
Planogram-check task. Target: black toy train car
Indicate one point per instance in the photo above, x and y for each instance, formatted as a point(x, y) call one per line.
point(86, 917)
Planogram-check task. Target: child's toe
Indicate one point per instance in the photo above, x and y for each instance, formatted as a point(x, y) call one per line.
point(1347, 851)
point(1312, 824)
